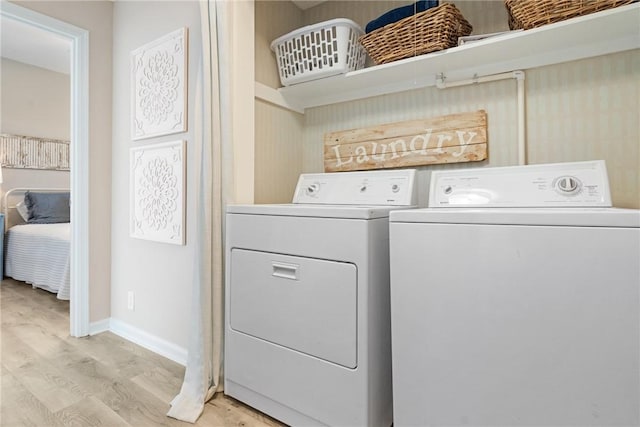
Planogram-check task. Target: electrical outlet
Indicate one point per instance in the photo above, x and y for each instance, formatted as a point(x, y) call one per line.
point(130, 300)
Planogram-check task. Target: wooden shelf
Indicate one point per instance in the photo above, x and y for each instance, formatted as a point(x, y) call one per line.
point(601, 33)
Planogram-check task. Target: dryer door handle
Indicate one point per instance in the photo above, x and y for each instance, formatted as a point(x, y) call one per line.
point(285, 270)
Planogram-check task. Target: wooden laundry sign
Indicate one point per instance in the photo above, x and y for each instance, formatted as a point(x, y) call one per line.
point(454, 138)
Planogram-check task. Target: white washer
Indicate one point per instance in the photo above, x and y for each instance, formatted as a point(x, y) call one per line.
point(307, 330)
point(516, 316)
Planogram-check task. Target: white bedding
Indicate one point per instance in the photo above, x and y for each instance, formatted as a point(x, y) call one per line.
point(39, 254)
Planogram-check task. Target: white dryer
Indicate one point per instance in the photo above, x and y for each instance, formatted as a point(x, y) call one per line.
point(307, 331)
point(515, 300)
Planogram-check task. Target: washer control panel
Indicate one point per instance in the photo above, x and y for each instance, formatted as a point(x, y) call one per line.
point(579, 184)
point(387, 188)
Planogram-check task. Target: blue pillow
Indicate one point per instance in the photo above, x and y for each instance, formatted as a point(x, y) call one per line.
point(400, 13)
point(47, 208)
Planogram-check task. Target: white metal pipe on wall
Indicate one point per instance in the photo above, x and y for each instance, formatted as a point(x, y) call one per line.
point(442, 83)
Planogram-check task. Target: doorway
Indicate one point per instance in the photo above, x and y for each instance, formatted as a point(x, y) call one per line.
point(79, 155)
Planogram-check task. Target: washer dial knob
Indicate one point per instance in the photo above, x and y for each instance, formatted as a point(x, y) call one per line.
point(313, 189)
point(568, 185)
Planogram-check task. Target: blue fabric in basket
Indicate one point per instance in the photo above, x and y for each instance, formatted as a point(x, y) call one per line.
point(400, 13)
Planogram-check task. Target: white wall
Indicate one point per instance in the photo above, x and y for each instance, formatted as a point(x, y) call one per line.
point(159, 274)
point(35, 102)
point(96, 17)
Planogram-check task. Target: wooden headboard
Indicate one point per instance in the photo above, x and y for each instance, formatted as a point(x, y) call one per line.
point(15, 196)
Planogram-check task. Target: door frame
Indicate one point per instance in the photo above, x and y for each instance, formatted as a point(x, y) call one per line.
point(79, 156)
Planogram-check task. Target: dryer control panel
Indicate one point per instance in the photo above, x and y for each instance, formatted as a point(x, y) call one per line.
point(376, 188)
point(579, 184)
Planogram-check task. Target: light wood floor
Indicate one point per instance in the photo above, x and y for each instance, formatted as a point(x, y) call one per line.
point(50, 379)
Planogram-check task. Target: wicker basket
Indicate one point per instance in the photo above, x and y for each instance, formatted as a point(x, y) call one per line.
point(527, 14)
point(429, 31)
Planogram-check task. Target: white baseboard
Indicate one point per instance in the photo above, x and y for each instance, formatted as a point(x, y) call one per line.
point(146, 340)
point(99, 326)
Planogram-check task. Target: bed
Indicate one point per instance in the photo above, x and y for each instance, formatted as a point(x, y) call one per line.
point(37, 238)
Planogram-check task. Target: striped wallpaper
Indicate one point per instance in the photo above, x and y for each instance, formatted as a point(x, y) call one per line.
point(582, 110)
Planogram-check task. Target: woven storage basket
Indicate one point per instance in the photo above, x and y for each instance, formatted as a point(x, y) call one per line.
point(434, 29)
point(527, 14)
point(320, 50)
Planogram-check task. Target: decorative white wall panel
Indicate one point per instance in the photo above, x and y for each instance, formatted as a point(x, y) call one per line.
point(157, 186)
point(159, 82)
point(28, 152)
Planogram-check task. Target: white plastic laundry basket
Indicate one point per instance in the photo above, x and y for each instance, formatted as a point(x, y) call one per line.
point(320, 50)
